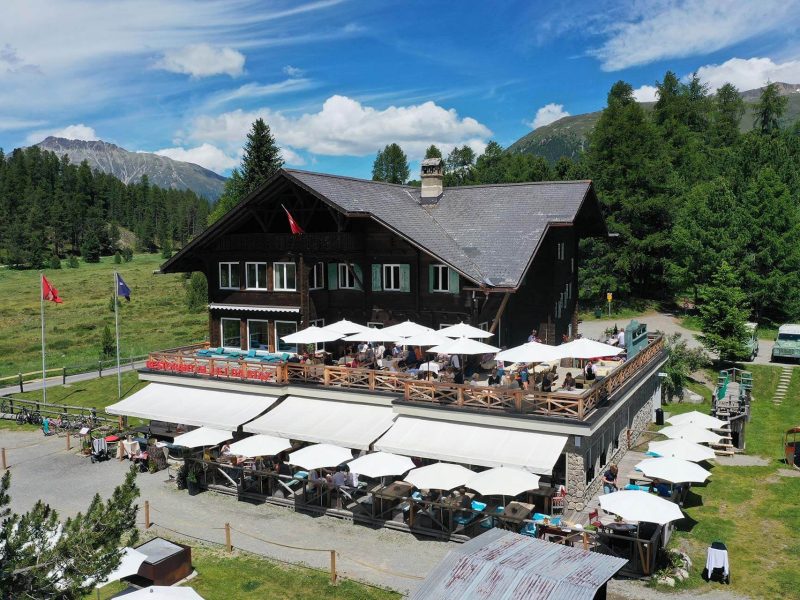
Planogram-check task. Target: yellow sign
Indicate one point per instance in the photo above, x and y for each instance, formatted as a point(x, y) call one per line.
point(609, 297)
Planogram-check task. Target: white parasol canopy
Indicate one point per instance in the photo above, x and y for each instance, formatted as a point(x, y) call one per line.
point(636, 505)
point(532, 352)
point(426, 338)
point(312, 335)
point(164, 592)
point(202, 436)
point(344, 327)
point(503, 481)
point(406, 329)
point(439, 476)
point(430, 366)
point(260, 445)
point(691, 433)
point(129, 565)
point(464, 330)
point(682, 449)
point(585, 348)
point(697, 418)
point(371, 334)
point(320, 456)
point(381, 464)
point(674, 470)
point(465, 345)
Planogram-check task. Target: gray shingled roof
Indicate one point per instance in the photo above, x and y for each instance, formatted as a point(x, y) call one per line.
point(488, 232)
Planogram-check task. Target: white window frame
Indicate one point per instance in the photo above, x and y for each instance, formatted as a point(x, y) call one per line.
point(283, 267)
point(443, 325)
point(278, 340)
point(561, 250)
point(442, 278)
point(247, 276)
point(345, 275)
point(390, 269)
point(229, 265)
point(222, 332)
point(266, 345)
point(315, 282)
point(375, 324)
point(484, 326)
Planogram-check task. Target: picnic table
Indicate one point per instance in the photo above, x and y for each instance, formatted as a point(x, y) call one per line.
point(391, 494)
point(516, 512)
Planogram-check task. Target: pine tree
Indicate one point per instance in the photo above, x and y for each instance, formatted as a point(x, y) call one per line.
point(391, 165)
point(433, 152)
point(197, 292)
point(90, 250)
point(723, 315)
point(769, 109)
point(261, 159)
point(459, 166)
point(108, 347)
point(728, 109)
point(379, 167)
point(72, 262)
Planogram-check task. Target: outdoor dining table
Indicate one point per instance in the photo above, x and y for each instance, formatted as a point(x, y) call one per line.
point(391, 494)
point(516, 512)
point(627, 529)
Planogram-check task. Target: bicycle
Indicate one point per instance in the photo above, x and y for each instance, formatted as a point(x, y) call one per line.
point(28, 416)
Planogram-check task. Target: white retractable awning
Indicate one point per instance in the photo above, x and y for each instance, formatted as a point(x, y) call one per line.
point(348, 424)
point(473, 444)
point(192, 406)
point(254, 307)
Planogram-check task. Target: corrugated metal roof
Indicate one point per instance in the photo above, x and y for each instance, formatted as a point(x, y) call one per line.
point(503, 565)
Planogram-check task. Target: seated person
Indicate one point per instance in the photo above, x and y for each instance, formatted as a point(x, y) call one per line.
point(397, 351)
point(547, 382)
point(420, 355)
point(225, 450)
point(458, 376)
point(281, 468)
point(317, 479)
point(461, 500)
point(522, 373)
point(589, 371)
point(475, 380)
point(569, 382)
point(661, 488)
point(388, 352)
point(339, 478)
point(554, 374)
point(494, 377)
point(411, 359)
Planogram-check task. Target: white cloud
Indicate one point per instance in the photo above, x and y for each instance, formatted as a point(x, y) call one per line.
point(749, 73)
point(10, 124)
point(70, 132)
point(205, 155)
point(292, 158)
point(547, 114)
point(645, 93)
point(202, 60)
point(689, 27)
point(346, 127)
point(255, 90)
point(293, 71)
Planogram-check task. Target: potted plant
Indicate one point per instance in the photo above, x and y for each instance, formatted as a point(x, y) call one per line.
point(191, 483)
point(180, 478)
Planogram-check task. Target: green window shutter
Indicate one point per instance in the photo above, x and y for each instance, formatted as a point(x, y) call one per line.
point(430, 278)
point(405, 278)
point(454, 280)
point(333, 276)
point(376, 278)
point(359, 278)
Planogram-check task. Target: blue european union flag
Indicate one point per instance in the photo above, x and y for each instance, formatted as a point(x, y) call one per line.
point(123, 289)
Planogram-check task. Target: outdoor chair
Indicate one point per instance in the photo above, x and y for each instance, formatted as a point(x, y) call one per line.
point(251, 354)
point(464, 520)
point(488, 522)
point(594, 518)
point(528, 529)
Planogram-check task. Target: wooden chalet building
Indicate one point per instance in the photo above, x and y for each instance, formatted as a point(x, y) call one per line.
point(502, 257)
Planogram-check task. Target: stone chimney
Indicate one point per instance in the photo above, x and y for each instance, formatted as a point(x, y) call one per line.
point(431, 180)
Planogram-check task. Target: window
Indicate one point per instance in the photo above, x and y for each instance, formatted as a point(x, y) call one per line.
point(256, 276)
point(316, 276)
point(443, 325)
point(284, 277)
point(282, 329)
point(229, 276)
point(346, 279)
point(484, 326)
point(257, 334)
point(318, 323)
point(561, 250)
point(231, 333)
point(375, 324)
point(440, 281)
point(391, 278)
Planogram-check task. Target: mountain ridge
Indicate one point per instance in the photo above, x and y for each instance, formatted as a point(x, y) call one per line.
point(129, 167)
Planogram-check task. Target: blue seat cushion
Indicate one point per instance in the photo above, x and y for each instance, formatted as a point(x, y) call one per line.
point(478, 505)
point(540, 517)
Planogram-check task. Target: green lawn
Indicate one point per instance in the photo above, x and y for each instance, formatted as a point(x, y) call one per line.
point(155, 318)
point(247, 576)
point(692, 322)
point(619, 311)
point(754, 510)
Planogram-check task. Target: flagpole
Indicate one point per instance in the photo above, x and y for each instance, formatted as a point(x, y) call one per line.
point(116, 321)
point(44, 359)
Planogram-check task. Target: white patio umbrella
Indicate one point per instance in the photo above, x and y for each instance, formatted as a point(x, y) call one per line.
point(503, 481)
point(312, 335)
point(425, 338)
point(405, 329)
point(585, 348)
point(697, 418)
point(682, 449)
point(691, 433)
point(532, 352)
point(202, 436)
point(344, 327)
point(465, 330)
point(439, 476)
point(164, 592)
point(464, 345)
point(674, 470)
point(129, 565)
point(371, 334)
point(430, 366)
point(381, 464)
point(260, 445)
point(636, 505)
point(319, 456)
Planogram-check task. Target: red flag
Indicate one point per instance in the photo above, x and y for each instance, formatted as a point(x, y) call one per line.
point(296, 229)
point(49, 292)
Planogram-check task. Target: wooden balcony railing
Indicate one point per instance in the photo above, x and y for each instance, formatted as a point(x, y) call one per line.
point(576, 405)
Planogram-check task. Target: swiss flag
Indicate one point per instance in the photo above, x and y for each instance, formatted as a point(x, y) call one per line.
point(296, 229)
point(49, 292)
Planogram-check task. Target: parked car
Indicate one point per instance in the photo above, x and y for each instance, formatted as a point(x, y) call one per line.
point(751, 344)
point(787, 344)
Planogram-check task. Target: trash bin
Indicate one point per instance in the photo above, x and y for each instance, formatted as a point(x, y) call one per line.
point(659, 416)
point(598, 313)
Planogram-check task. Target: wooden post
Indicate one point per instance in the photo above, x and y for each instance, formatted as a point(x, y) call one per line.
point(585, 541)
point(68, 446)
point(3, 459)
point(333, 567)
point(21, 390)
point(99, 368)
point(147, 514)
point(119, 422)
point(64, 375)
point(228, 545)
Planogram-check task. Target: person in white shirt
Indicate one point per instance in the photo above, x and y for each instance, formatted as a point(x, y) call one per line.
point(621, 338)
point(454, 361)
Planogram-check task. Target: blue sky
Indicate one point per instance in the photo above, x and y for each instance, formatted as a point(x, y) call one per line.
point(337, 79)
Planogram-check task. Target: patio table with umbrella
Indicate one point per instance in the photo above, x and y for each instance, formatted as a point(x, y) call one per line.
point(260, 445)
point(682, 449)
point(639, 506)
point(405, 329)
point(202, 436)
point(673, 470)
point(312, 335)
point(691, 433)
point(371, 335)
point(381, 464)
point(464, 330)
point(697, 418)
point(531, 352)
point(344, 327)
point(585, 349)
point(439, 476)
point(505, 481)
point(320, 456)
